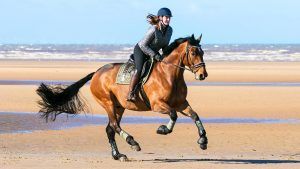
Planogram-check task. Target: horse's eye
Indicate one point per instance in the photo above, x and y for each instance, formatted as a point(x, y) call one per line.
point(193, 53)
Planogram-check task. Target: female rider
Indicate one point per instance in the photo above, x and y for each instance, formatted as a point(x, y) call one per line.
point(157, 37)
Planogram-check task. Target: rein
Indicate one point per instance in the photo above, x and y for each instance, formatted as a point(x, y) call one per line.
point(181, 67)
point(191, 69)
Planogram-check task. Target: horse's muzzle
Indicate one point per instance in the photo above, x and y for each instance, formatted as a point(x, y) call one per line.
point(200, 77)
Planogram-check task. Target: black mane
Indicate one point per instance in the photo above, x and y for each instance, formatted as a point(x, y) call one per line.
point(177, 42)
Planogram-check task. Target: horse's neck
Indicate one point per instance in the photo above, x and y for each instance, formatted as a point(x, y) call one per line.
point(170, 63)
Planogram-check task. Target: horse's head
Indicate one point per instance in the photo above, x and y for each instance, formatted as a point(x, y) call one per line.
point(194, 58)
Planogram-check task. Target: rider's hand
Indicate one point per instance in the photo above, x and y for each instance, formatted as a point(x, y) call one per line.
point(158, 57)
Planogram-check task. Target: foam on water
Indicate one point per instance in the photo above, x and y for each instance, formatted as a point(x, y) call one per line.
point(213, 52)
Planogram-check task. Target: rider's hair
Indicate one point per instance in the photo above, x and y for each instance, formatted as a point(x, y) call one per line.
point(153, 19)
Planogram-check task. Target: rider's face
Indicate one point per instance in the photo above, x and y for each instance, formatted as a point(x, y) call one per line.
point(165, 20)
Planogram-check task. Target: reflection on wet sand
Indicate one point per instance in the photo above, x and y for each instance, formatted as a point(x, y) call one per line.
point(11, 122)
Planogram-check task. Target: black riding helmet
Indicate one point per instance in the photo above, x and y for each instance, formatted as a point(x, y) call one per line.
point(164, 12)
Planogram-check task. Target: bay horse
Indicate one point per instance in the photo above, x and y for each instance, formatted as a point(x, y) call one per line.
point(166, 91)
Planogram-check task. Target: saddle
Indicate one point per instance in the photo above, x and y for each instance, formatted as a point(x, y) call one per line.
point(125, 74)
point(127, 69)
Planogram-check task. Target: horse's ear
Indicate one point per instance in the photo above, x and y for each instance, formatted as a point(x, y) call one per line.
point(200, 37)
point(193, 37)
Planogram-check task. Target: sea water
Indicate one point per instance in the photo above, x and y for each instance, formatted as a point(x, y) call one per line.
point(97, 52)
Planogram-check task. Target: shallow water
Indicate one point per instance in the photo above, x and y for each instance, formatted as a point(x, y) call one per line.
point(11, 122)
point(54, 82)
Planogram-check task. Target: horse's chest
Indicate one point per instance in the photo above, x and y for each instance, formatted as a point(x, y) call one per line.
point(174, 94)
point(178, 95)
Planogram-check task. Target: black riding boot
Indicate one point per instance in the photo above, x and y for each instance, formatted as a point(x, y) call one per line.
point(132, 87)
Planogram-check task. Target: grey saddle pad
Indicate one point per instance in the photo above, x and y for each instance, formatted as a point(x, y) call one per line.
point(126, 70)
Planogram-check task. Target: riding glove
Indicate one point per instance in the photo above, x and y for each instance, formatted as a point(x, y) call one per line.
point(158, 57)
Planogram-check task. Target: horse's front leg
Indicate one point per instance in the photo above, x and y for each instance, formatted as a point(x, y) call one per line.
point(188, 111)
point(165, 109)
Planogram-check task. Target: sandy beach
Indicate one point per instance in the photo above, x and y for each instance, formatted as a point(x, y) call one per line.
point(230, 145)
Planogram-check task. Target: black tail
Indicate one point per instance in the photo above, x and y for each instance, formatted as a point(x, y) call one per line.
point(59, 99)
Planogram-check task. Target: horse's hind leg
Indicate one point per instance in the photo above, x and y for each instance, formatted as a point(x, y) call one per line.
point(115, 113)
point(111, 136)
point(127, 137)
point(114, 148)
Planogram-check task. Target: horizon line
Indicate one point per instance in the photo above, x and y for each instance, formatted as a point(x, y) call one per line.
point(112, 44)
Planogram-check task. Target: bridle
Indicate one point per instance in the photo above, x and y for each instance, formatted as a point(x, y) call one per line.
point(194, 67)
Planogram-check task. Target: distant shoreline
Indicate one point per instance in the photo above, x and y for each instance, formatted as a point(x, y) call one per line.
point(120, 53)
point(125, 60)
point(69, 60)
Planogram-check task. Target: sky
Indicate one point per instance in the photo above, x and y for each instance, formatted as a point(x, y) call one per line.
point(124, 21)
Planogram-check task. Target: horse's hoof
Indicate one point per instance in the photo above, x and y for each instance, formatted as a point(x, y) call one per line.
point(136, 147)
point(163, 130)
point(120, 157)
point(123, 159)
point(203, 146)
point(203, 142)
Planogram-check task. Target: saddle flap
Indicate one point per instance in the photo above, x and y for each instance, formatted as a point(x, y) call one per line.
point(127, 69)
point(125, 73)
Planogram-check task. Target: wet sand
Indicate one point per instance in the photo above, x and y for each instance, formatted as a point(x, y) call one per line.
point(218, 71)
point(13, 122)
point(230, 145)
